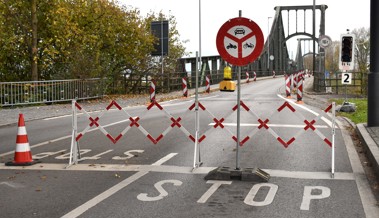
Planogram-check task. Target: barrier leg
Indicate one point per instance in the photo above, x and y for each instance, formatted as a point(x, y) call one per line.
point(333, 135)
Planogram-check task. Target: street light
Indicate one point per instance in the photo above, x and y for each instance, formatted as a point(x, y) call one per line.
point(268, 42)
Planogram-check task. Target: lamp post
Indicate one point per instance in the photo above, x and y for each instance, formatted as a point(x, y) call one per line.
point(268, 43)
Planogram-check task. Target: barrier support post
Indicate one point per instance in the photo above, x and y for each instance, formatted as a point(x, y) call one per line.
point(196, 155)
point(333, 135)
point(74, 150)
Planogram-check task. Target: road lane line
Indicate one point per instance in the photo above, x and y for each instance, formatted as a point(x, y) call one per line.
point(164, 159)
point(101, 197)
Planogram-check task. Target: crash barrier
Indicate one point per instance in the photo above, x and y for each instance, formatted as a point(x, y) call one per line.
point(35, 92)
point(263, 124)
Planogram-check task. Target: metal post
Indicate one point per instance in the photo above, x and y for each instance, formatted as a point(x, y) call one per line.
point(373, 76)
point(196, 156)
point(238, 112)
point(200, 34)
point(74, 151)
point(162, 49)
point(268, 43)
point(333, 135)
point(314, 35)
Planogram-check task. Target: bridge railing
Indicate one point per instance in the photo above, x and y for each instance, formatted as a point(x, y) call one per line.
point(35, 92)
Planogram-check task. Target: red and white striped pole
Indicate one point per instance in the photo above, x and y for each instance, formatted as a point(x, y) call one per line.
point(300, 90)
point(255, 76)
point(273, 74)
point(247, 77)
point(295, 80)
point(184, 86)
point(152, 90)
point(288, 85)
point(207, 84)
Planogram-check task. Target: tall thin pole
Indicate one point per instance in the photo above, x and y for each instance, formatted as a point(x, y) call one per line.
point(196, 156)
point(238, 113)
point(200, 63)
point(268, 43)
point(373, 76)
point(314, 36)
point(162, 49)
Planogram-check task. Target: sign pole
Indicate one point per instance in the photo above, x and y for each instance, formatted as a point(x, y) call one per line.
point(238, 112)
point(238, 117)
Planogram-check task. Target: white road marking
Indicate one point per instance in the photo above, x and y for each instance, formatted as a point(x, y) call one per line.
point(162, 192)
point(12, 185)
point(270, 125)
point(179, 170)
point(101, 197)
point(212, 190)
point(249, 200)
point(307, 109)
point(164, 159)
point(307, 195)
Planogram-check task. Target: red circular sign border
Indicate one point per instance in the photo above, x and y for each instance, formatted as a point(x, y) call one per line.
point(239, 21)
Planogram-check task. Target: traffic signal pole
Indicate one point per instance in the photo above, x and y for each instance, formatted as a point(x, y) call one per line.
point(373, 76)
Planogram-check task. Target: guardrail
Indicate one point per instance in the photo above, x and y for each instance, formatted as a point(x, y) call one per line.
point(36, 92)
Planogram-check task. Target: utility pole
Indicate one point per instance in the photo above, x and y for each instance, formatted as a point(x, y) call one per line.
point(373, 76)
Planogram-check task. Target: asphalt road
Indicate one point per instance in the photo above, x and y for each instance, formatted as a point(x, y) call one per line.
point(135, 177)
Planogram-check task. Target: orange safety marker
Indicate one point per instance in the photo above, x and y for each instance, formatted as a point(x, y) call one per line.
point(22, 155)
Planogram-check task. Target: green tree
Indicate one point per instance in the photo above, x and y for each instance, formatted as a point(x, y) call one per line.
point(80, 39)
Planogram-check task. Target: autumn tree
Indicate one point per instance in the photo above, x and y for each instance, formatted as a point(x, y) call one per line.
point(79, 39)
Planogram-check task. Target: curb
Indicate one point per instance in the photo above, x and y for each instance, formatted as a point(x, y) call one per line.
point(370, 146)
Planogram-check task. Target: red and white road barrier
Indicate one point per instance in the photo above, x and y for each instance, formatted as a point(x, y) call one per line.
point(247, 77)
point(134, 122)
point(207, 84)
point(273, 73)
point(300, 90)
point(288, 85)
point(152, 90)
point(255, 76)
point(184, 87)
point(22, 155)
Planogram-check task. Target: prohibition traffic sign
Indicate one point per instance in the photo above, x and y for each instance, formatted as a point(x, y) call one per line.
point(239, 41)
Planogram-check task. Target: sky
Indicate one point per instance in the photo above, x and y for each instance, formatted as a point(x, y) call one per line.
point(340, 16)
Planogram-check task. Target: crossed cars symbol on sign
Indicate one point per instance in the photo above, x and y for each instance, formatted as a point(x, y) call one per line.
point(238, 31)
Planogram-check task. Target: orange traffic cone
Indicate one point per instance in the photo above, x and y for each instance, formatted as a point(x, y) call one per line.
point(22, 155)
